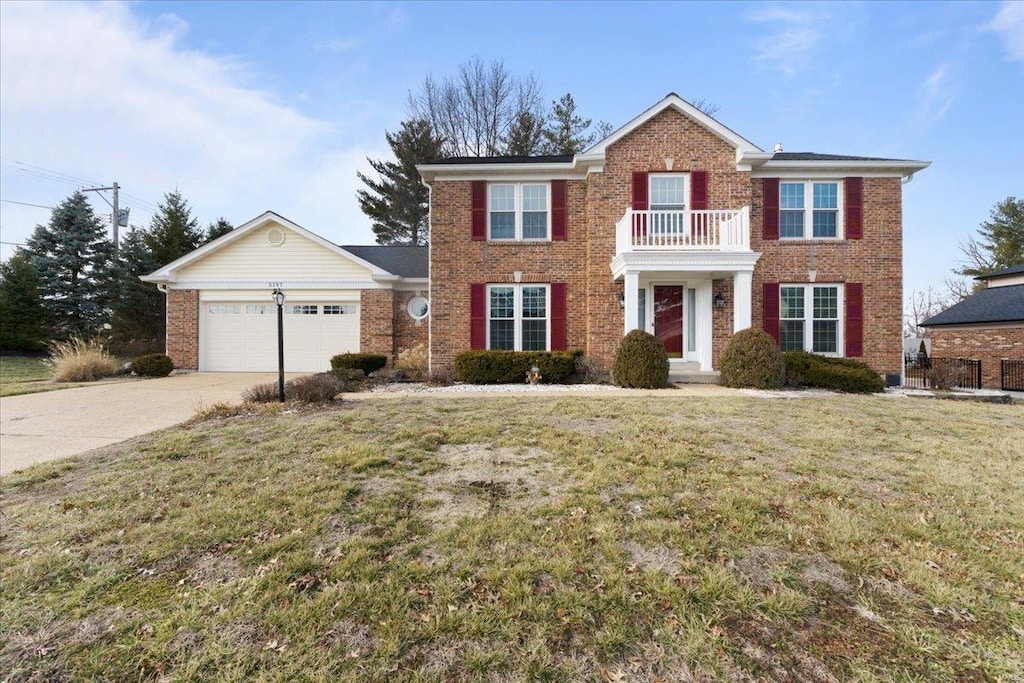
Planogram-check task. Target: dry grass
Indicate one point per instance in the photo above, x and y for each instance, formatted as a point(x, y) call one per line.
point(413, 362)
point(23, 375)
point(81, 360)
point(557, 538)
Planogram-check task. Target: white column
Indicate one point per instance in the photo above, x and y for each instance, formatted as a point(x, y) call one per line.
point(742, 296)
point(704, 326)
point(631, 284)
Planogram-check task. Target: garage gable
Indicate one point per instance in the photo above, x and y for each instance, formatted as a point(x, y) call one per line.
point(269, 246)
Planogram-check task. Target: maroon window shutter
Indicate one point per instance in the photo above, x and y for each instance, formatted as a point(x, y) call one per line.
point(854, 319)
point(853, 208)
point(559, 210)
point(771, 208)
point(771, 309)
point(478, 316)
point(479, 210)
point(698, 190)
point(558, 342)
point(639, 190)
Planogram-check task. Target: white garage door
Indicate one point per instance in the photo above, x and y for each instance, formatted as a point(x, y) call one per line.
point(238, 336)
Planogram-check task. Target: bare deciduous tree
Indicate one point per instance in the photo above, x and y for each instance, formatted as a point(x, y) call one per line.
point(474, 112)
point(920, 307)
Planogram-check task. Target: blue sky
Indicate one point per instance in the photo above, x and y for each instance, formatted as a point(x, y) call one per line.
point(245, 107)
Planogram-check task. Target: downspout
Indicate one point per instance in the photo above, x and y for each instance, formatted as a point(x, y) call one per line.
point(430, 280)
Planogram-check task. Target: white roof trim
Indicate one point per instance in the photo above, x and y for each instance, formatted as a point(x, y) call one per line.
point(742, 145)
point(167, 273)
point(560, 169)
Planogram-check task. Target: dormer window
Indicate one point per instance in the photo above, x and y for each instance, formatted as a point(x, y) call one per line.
point(518, 211)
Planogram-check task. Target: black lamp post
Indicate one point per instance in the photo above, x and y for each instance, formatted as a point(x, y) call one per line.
point(279, 300)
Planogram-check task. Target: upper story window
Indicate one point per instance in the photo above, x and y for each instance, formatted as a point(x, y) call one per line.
point(809, 209)
point(668, 192)
point(518, 211)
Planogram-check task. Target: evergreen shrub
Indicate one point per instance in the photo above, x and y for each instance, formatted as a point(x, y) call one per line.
point(752, 360)
point(640, 362)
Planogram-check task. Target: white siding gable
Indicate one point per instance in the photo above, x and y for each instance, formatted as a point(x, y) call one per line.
point(255, 256)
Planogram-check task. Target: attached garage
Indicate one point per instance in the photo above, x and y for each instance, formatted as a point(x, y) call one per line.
point(241, 336)
point(221, 317)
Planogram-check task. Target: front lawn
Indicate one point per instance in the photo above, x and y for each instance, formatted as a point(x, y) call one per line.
point(22, 374)
point(528, 538)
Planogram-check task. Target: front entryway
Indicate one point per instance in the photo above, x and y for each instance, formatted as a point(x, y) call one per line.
point(668, 318)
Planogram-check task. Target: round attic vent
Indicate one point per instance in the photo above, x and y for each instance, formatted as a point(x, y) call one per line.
point(275, 236)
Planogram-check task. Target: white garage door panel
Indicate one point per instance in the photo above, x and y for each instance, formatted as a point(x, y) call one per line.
point(242, 337)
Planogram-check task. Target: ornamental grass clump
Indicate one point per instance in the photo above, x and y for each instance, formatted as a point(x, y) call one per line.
point(81, 360)
point(640, 362)
point(752, 360)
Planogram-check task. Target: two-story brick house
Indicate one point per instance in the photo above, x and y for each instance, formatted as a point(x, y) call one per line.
point(674, 224)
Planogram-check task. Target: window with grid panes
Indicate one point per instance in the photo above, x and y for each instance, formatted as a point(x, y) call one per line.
point(518, 317)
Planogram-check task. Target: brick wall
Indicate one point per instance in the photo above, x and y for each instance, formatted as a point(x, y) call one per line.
point(183, 328)
point(721, 320)
point(376, 318)
point(457, 261)
point(407, 332)
point(876, 260)
point(989, 345)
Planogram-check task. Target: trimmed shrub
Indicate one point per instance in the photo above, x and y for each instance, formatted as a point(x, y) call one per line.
point(319, 388)
point(412, 363)
point(804, 369)
point(640, 362)
point(752, 360)
point(152, 365)
point(510, 367)
point(367, 362)
point(81, 360)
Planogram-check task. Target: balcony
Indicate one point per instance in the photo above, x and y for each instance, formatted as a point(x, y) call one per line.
point(683, 231)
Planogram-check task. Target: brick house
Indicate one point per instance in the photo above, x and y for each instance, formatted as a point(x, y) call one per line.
point(988, 326)
point(220, 316)
point(674, 224)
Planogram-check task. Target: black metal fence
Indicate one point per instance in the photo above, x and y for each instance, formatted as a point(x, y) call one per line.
point(1011, 375)
point(933, 373)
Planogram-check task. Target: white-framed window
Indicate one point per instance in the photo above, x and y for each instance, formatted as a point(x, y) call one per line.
point(810, 209)
point(339, 309)
point(301, 309)
point(225, 309)
point(518, 211)
point(418, 307)
point(260, 309)
point(666, 200)
point(810, 318)
point(518, 317)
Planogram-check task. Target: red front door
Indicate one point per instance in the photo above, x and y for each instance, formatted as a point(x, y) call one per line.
point(668, 319)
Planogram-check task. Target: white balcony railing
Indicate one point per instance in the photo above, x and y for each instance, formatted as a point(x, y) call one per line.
point(713, 230)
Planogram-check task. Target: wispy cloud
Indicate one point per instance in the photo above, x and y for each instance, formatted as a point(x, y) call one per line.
point(938, 93)
point(1009, 24)
point(338, 45)
point(793, 32)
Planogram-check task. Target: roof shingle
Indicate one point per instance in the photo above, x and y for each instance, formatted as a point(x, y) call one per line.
point(990, 305)
point(399, 259)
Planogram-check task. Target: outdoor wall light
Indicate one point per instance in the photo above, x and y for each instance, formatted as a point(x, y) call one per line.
point(719, 300)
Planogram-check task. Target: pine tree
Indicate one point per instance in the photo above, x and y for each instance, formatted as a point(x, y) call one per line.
point(72, 257)
point(218, 229)
point(21, 305)
point(1000, 243)
point(397, 203)
point(137, 319)
point(525, 135)
point(566, 132)
point(173, 232)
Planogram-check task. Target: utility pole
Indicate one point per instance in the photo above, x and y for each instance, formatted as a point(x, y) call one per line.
point(115, 216)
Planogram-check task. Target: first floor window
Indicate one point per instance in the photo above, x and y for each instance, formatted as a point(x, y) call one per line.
point(809, 318)
point(517, 317)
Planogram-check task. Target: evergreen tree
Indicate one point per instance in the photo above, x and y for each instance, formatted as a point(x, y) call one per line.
point(21, 305)
point(218, 229)
point(72, 256)
point(566, 132)
point(173, 232)
point(137, 319)
point(1000, 243)
point(397, 202)
point(525, 135)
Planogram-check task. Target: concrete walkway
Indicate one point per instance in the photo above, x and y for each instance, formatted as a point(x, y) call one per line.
point(56, 424)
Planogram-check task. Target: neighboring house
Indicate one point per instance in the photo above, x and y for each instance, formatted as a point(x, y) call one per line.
point(220, 315)
point(674, 224)
point(988, 325)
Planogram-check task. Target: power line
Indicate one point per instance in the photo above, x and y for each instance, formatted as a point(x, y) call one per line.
point(13, 244)
point(55, 174)
point(38, 206)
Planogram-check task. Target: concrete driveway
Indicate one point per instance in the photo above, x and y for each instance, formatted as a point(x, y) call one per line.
point(56, 424)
